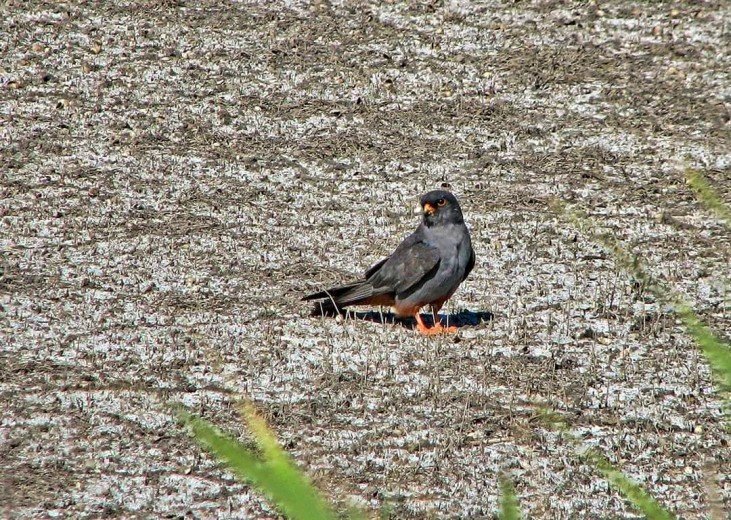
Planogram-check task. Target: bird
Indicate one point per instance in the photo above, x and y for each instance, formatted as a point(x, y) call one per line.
point(425, 269)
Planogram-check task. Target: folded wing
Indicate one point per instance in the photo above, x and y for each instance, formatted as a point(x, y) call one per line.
point(407, 268)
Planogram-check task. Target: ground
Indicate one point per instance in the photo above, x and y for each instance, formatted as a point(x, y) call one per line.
point(174, 176)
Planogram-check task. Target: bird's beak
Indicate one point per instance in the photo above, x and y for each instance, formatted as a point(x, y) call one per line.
point(426, 208)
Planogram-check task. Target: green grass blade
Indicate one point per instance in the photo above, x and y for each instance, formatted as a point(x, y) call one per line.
point(632, 491)
point(717, 352)
point(264, 436)
point(708, 196)
point(509, 507)
point(274, 474)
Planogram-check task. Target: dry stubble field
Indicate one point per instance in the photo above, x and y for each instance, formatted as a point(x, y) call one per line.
point(175, 175)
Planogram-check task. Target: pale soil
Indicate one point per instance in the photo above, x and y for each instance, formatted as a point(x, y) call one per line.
point(175, 176)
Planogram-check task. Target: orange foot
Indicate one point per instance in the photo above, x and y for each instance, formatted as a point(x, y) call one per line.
point(438, 328)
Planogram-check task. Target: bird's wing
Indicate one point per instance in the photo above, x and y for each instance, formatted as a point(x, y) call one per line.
point(413, 261)
point(370, 272)
point(470, 264)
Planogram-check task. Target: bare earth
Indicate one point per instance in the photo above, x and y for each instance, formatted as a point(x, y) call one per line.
point(174, 176)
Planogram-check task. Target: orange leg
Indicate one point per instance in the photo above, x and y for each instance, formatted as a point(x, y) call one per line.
point(436, 329)
point(435, 312)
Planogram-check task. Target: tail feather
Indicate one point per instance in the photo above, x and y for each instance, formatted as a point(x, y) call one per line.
point(325, 308)
point(334, 300)
point(333, 293)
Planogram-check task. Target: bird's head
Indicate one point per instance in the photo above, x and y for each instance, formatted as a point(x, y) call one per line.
point(439, 207)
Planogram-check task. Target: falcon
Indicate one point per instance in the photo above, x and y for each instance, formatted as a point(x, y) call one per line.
point(425, 269)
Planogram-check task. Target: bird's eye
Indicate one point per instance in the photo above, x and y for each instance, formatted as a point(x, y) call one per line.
point(441, 203)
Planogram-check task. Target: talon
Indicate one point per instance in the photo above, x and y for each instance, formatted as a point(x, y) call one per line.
point(441, 329)
point(438, 328)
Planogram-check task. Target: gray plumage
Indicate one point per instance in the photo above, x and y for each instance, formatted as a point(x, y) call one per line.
point(425, 269)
